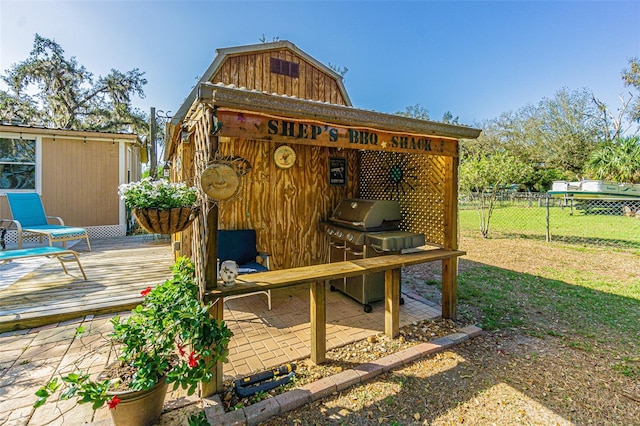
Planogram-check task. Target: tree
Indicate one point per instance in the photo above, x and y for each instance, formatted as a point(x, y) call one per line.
point(554, 136)
point(448, 117)
point(631, 77)
point(483, 176)
point(415, 111)
point(617, 161)
point(567, 129)
point(627, 116)
point(66, 94)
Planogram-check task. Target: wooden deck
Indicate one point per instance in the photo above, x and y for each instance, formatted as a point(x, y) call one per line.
point(117, 269)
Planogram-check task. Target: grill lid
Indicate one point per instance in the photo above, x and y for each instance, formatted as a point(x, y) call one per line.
point(367, 215)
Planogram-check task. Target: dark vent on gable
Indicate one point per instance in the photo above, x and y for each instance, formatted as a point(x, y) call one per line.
point(280, 66)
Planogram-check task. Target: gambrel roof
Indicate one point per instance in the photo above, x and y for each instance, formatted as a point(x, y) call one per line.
point(223, 54)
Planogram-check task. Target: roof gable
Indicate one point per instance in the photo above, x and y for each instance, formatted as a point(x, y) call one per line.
point(251, 67)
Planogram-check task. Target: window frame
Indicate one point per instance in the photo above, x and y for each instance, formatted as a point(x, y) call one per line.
point(38, 177)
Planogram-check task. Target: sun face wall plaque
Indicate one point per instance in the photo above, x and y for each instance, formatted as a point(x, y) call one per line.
point(284, 156)
point(220, 181)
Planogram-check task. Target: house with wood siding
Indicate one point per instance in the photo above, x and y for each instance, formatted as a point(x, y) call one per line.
point(76, 173)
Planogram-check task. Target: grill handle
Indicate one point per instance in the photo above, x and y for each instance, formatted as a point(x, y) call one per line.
point(346, 222)
point(377, 248)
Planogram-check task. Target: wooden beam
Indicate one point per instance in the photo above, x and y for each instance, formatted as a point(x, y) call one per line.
point(247, 126)
point(211, 253)
point(250, 283)
point(392, 302)
point(210, 273)
point(215, 385)
point(449, 288)
point(450, 266)
point(318, 322)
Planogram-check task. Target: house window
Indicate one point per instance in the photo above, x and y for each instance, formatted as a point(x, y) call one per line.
point(17, 163)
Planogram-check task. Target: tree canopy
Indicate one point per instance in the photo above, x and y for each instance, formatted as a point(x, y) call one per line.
point(617, 161)
point(49, 89)
point(631, 78)
point(555, 137)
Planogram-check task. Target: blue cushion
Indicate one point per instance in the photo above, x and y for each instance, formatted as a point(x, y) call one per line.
point(238, 245)
point(251, 267)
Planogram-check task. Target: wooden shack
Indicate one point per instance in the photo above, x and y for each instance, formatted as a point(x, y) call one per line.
point(76, 173)
point(253, 100)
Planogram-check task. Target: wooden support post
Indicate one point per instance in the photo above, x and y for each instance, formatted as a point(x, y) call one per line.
point(392, 302)
point(449, 288)
point(215, 385)
point(450, 266)
point(210, 261)
point(318, 322)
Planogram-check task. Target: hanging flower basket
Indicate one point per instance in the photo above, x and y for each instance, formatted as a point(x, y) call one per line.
point(165, 221)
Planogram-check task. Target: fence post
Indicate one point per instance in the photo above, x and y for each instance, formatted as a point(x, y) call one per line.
point(547, 218)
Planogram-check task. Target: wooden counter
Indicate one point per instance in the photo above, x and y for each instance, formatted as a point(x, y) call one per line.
point(319, 275)
point(250, 283)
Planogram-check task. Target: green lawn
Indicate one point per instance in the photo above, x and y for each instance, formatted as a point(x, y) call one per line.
point(580, 227)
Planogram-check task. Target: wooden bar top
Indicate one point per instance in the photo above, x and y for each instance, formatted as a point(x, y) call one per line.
point(249, 283)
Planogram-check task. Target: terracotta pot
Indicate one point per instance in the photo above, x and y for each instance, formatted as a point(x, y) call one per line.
point(165, 221)
point(139, 408)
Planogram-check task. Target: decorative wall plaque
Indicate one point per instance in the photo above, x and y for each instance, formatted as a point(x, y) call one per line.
point(337, 171)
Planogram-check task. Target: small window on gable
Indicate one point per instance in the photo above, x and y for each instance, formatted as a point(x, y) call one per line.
point(288, 68)
point(17, 163)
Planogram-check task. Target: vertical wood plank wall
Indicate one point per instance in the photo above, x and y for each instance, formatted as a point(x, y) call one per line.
point(253, 72)
point(285, 206)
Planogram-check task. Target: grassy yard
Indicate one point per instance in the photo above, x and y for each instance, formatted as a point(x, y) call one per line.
point(530, 222)
point(560, 344)
point(581, 304)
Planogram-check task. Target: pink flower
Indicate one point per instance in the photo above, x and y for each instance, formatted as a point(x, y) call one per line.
point(193, 359)
point(145, 291)
point(113, 402)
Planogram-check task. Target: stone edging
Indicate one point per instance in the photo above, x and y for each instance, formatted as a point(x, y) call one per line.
point(296, 398)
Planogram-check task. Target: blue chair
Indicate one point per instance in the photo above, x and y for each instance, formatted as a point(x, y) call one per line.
point(29, 219)
point(239, 245)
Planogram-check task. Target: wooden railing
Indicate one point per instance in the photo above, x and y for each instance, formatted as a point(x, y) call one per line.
point(318, 276)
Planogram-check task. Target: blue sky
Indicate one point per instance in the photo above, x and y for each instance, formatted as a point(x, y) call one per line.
point(474, 58)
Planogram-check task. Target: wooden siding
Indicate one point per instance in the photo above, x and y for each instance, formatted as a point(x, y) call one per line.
point(80, 173)
point(285, 206)
point(253, 71)
point(80, 181)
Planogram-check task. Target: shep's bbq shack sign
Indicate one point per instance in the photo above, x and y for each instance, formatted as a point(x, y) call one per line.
point(235, 124)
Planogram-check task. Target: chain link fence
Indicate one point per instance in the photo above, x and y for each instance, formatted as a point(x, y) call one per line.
point(601, 222)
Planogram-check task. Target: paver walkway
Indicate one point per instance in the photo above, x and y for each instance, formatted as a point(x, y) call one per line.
point(262, 339)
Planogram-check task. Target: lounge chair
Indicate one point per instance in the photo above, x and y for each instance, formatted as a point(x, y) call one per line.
point(29, 219)
point(239, 245)
point(63, 255)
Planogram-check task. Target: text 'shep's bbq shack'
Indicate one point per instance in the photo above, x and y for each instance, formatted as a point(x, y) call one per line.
point(321, 182)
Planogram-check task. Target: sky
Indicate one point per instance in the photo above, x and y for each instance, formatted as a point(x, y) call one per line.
point(477, 59)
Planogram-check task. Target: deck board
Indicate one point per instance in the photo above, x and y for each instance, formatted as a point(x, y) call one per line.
point(117, 269)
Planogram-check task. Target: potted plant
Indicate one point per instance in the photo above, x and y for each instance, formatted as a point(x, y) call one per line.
point(160, 206)
point(169, 339)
